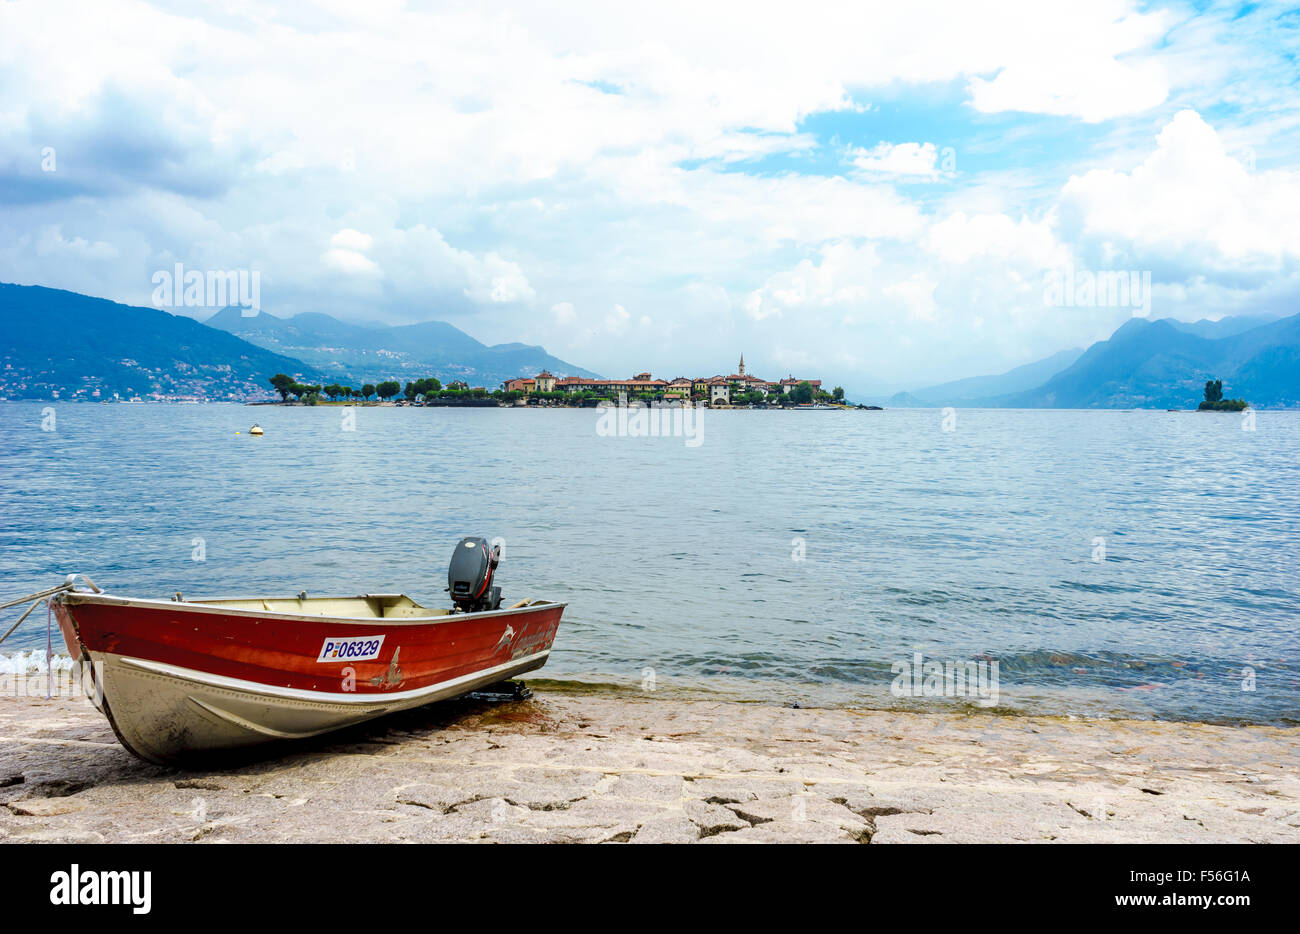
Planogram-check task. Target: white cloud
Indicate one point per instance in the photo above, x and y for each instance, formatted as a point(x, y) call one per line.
point(52, 242)
point(347, 253)
point(845, 275)
point(1190, 207)
point(920, 159)
point(917, 295)
point(350, 262)
point(495, 280)
point(616, 322)
point(961, 238)
point(1078, 66)
point(349, 239)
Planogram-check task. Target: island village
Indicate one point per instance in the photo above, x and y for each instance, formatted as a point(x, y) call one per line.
point(738, 389)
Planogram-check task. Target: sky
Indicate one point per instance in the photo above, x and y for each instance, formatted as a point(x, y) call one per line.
point(876, 194)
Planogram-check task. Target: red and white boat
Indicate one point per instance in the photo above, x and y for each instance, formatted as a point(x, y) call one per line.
point(178, 678)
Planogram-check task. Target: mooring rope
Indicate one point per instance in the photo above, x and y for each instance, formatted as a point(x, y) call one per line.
point(68, 584)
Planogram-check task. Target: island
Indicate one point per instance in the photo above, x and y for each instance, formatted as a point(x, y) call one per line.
point(1214, 401)
point(739, 390)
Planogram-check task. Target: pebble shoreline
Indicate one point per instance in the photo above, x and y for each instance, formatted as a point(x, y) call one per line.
point(643, 769)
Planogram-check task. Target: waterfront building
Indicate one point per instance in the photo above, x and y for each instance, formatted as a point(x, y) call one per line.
point(716, 390)
point(789, 383)
point(641, 383)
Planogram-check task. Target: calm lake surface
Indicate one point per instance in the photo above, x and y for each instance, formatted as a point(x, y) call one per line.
point(1112, 562)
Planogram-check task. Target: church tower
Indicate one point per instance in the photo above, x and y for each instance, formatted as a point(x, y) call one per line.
point(741, 371)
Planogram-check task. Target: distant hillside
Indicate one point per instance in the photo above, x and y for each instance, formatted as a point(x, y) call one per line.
point(1224, 327)
point(60, 344)
point(905, 400)
point(977, 389)
point(1165, 363)
point(359, 353)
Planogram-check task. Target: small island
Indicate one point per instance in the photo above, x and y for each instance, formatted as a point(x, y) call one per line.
point(740, 390)
point(1214, 401)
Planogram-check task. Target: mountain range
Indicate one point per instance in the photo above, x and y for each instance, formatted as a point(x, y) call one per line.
point(357, 353)
point(1164, 364)
point(59, 344)
point(974, 389)
point(1159, 363)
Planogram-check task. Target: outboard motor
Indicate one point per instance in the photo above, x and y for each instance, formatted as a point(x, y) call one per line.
point(469, 578)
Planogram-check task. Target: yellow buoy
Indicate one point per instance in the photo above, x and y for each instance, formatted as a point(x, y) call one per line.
point(255, 430)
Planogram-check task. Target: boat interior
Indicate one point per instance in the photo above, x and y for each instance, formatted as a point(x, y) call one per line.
point(369, 606)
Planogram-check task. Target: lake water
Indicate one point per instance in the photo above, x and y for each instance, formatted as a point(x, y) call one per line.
point(1111, 562)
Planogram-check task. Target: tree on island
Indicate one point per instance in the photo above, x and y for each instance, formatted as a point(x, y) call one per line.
point(282, 384)
point(803, 393)
point(425, 388)
point(367, 390)
point(388, 389)
point(1214, 401)
point(838, 393)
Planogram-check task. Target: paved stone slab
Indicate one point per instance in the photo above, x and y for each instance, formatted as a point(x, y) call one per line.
point(609, 768)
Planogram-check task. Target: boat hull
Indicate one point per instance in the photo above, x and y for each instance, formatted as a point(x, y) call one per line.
point(180, 681)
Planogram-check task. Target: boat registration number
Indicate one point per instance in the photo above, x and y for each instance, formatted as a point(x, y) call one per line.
point(351, 649)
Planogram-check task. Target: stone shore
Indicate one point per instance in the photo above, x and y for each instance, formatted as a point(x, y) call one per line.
point(604, 767)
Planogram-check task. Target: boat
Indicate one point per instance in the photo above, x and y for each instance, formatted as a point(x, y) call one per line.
point(180, 680)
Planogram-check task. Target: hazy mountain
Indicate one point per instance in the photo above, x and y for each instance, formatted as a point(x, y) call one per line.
point(974, 389)
point(1224, 327)
point(62, 342)
point(905, 400)
point(1165, 363)
point(360, 353)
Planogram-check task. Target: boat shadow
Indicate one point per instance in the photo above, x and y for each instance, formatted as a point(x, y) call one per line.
point(382, 733)
point(71, 772)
